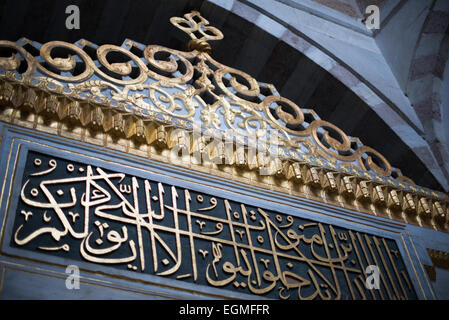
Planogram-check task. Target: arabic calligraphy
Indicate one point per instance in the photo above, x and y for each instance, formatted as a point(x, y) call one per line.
point(85, 212)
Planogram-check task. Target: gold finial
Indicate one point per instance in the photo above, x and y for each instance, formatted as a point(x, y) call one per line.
point(199, 26)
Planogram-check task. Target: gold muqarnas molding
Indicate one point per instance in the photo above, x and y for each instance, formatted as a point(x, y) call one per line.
point(149, 100)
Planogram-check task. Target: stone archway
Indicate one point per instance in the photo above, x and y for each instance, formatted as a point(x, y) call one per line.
point(426, 80)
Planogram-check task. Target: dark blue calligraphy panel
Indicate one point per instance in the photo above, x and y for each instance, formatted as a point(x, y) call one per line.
point(87, 213)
